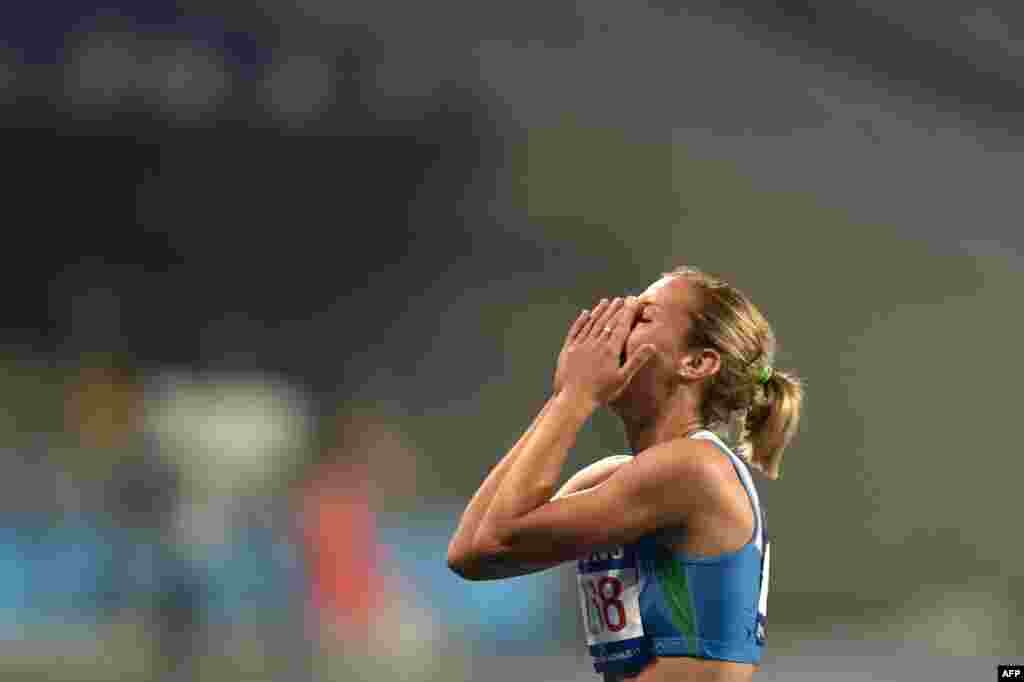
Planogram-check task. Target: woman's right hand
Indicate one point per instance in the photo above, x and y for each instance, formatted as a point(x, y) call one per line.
point(574, 329)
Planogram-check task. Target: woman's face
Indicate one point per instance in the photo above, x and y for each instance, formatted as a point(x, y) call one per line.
point(664, 318)
point(663, 321)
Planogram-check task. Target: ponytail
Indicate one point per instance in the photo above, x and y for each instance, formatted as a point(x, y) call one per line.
point(756, 406)
point(772, 421)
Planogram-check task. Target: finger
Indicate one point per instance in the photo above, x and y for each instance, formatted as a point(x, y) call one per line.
point(596, 313)
point(607, 317)
point(624, 321)
point(614, 320)
point(636, 361)
point(575, 327)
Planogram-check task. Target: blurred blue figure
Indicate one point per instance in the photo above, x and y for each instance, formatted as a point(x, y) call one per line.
point(132, 506)
point(506, 617)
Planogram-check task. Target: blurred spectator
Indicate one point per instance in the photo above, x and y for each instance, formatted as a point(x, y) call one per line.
point(135, 494)
point(235, 438)
point(343, 555)
point(370, 615)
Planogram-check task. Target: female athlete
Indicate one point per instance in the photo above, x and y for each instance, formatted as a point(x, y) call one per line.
point(671, 546)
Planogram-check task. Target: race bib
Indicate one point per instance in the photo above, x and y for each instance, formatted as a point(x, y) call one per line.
point(609, 588)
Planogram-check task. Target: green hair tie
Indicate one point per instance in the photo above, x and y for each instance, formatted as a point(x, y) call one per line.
point(765, 375)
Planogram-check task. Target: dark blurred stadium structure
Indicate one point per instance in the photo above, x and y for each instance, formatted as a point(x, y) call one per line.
point(284, 281)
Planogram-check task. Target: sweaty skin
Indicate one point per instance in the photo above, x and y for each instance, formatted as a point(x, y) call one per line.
point(662, 669)
point(505, 528)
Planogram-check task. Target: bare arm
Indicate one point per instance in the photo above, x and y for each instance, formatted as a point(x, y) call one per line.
point(661, 489)
point(528, 479)
point(532, 478)
point(462, 542)
point(589, 374)
point(582, 481)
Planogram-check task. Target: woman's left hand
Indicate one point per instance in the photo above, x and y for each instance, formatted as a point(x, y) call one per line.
point(590, 359)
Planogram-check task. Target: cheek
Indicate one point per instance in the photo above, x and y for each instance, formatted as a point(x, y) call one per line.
point(640, 338)
point(643, 335)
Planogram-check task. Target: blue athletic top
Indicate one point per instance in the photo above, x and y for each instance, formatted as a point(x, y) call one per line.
point(644, 600)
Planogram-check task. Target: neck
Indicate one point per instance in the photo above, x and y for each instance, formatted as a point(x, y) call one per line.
point(676, 417)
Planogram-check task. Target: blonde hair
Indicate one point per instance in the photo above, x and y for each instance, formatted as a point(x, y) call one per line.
point(759, 418)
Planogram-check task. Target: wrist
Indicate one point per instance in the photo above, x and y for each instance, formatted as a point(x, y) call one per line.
point(577, 400)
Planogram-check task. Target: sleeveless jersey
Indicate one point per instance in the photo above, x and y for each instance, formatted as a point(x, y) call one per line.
point(643, 600)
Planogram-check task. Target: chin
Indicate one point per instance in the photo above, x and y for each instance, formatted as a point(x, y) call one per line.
point(641, 397)
point(630, 401)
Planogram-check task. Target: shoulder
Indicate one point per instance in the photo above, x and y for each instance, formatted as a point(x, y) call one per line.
point(611, 462)
point(692, 464)
point(606, 466)
point(592, 474)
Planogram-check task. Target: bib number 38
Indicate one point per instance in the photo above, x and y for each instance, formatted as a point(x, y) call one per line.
point(605, 610)
point(609, 597)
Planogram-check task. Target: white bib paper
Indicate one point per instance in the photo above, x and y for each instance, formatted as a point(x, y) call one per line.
point(609, 589)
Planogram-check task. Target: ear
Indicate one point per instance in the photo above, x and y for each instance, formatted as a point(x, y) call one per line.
point(699, 363)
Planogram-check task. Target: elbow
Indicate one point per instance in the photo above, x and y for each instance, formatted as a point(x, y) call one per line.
point(463, 562)
point(474, 564)
point(467, 568)
point(462, 568)
point(458, 563)
point(457, 558)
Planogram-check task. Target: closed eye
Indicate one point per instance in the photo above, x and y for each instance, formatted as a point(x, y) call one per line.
point(644, 316)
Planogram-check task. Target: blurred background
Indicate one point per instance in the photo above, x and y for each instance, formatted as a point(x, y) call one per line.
point(283, 281)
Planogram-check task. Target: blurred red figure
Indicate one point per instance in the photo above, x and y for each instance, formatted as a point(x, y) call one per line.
point(373, 622)
point(342, 550)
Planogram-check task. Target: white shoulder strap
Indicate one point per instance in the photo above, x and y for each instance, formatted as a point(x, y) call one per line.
point(745, 478)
